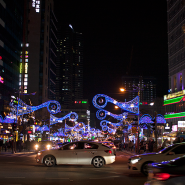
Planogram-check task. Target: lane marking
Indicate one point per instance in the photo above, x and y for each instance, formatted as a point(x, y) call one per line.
point(105, 177)
point(14, 177)
point(57, 178)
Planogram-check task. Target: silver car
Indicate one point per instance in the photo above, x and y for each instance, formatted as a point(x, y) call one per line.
point(80, 153)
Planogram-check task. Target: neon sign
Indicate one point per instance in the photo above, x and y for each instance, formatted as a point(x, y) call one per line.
point(1, 80)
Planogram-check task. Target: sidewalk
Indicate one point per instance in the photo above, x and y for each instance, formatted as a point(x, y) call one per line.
point(131, 153)
point(17, 152)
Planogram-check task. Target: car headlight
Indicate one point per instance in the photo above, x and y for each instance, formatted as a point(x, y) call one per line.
point(39, 153)
point(133, 161)
point(36, 147)
point(48, 147)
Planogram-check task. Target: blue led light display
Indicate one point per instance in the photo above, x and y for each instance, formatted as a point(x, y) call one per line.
point(101, 100)
point(7, 119)
point(22, 108)
point(73, 116)
point(101, 114)
point(146, 118)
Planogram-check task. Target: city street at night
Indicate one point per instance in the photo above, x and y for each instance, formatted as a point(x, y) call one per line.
point(21, 168)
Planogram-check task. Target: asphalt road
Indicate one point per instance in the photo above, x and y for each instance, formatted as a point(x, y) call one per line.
point(21, 168)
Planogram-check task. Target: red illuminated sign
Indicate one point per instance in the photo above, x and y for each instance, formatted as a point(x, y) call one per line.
point(29, 132)
point(1, 58)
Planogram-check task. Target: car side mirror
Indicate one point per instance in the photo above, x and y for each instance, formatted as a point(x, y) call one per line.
point(171, 153)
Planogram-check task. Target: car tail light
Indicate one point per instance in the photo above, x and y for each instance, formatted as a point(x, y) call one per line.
point(108, 151)
point(162, 176)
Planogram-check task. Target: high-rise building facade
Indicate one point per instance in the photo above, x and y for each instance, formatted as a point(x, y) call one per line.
point(38, 60)
point(174, 102)
point(147, 86)
point(69, 66)
point(11, 24)
point(176, 44)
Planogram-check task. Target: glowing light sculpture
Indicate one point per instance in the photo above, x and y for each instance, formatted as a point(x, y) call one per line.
point(101, 114)
point(146, 118)
point(22, 108)
point(73, 116)
point(101, 100)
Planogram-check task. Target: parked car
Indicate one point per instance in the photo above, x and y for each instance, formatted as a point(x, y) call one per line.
point(140, 162)
point(80, 152)
point(169, 172)
point(44, 145)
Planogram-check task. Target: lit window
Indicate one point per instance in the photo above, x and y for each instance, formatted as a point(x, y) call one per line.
point(26, 75)
point(25, 79)
point(25, 83)
point(20, 67)
point(26, 52)
point(37, 6)
point(21, 60)
point(25, 87)
point(19, 83)
point(20, 75)
point(19, 79)
point(27, 44)
point(26, 60)
point(37, 10)
point(26, 56)
point(26, 67)
point(33, 4)
point(25, 91)
point(21, 45)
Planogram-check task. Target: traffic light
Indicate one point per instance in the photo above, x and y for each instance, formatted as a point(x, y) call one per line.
point(14, 127)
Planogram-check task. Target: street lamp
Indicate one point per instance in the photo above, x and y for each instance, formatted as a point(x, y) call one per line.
point(137, 88)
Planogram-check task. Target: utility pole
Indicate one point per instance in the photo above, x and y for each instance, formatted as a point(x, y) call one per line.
point(155, 130)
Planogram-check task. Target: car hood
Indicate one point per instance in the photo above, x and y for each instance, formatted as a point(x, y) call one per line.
point(145, 155)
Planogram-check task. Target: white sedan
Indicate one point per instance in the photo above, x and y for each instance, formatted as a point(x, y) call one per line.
point(140, 162)
point(80, 153)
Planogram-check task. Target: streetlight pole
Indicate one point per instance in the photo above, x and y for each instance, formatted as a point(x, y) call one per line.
point(138, 121)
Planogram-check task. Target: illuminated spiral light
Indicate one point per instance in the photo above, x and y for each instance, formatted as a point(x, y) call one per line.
point(131, 106)
point(53, 107)
point(103, 123)
point(73, 116)
point(101, 114)
point(104, 128)
point(111, 130)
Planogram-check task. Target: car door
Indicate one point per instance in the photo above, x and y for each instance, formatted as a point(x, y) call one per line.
point(86, 154)
point(67, 154)
point(175, 152)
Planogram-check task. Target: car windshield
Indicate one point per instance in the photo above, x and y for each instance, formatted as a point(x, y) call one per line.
point(166, 149)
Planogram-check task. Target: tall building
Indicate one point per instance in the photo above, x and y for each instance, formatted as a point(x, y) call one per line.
point(176, 44)
point(38, 59)
point(147, 87)
point(11, 23)
point(174, 102)
point(69, 66)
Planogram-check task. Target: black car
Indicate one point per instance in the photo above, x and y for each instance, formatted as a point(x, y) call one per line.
point(167, 172)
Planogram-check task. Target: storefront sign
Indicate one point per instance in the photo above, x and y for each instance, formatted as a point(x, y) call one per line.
point(167, 126)
point(181, 124)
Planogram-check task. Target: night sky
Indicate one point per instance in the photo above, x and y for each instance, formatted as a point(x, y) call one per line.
point(119, 37)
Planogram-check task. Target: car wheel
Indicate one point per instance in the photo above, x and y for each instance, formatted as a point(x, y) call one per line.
point(98, 162)
point(144, 168)
point(49, 161)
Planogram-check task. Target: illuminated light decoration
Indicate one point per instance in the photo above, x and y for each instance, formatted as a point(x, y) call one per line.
point(42, 129)
point(101, 100)
point(101, 114)
point(70, 26)
point(110, 130)
point(174, 100)
point(146, 118)
point(106, 123)
point(73, 116)
point(175, 115)
point(160, 119)
point(7, 119)
point(1, 58)
point(1, 80)
point(104, 128)
point(36, 5)
point(53, 107)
